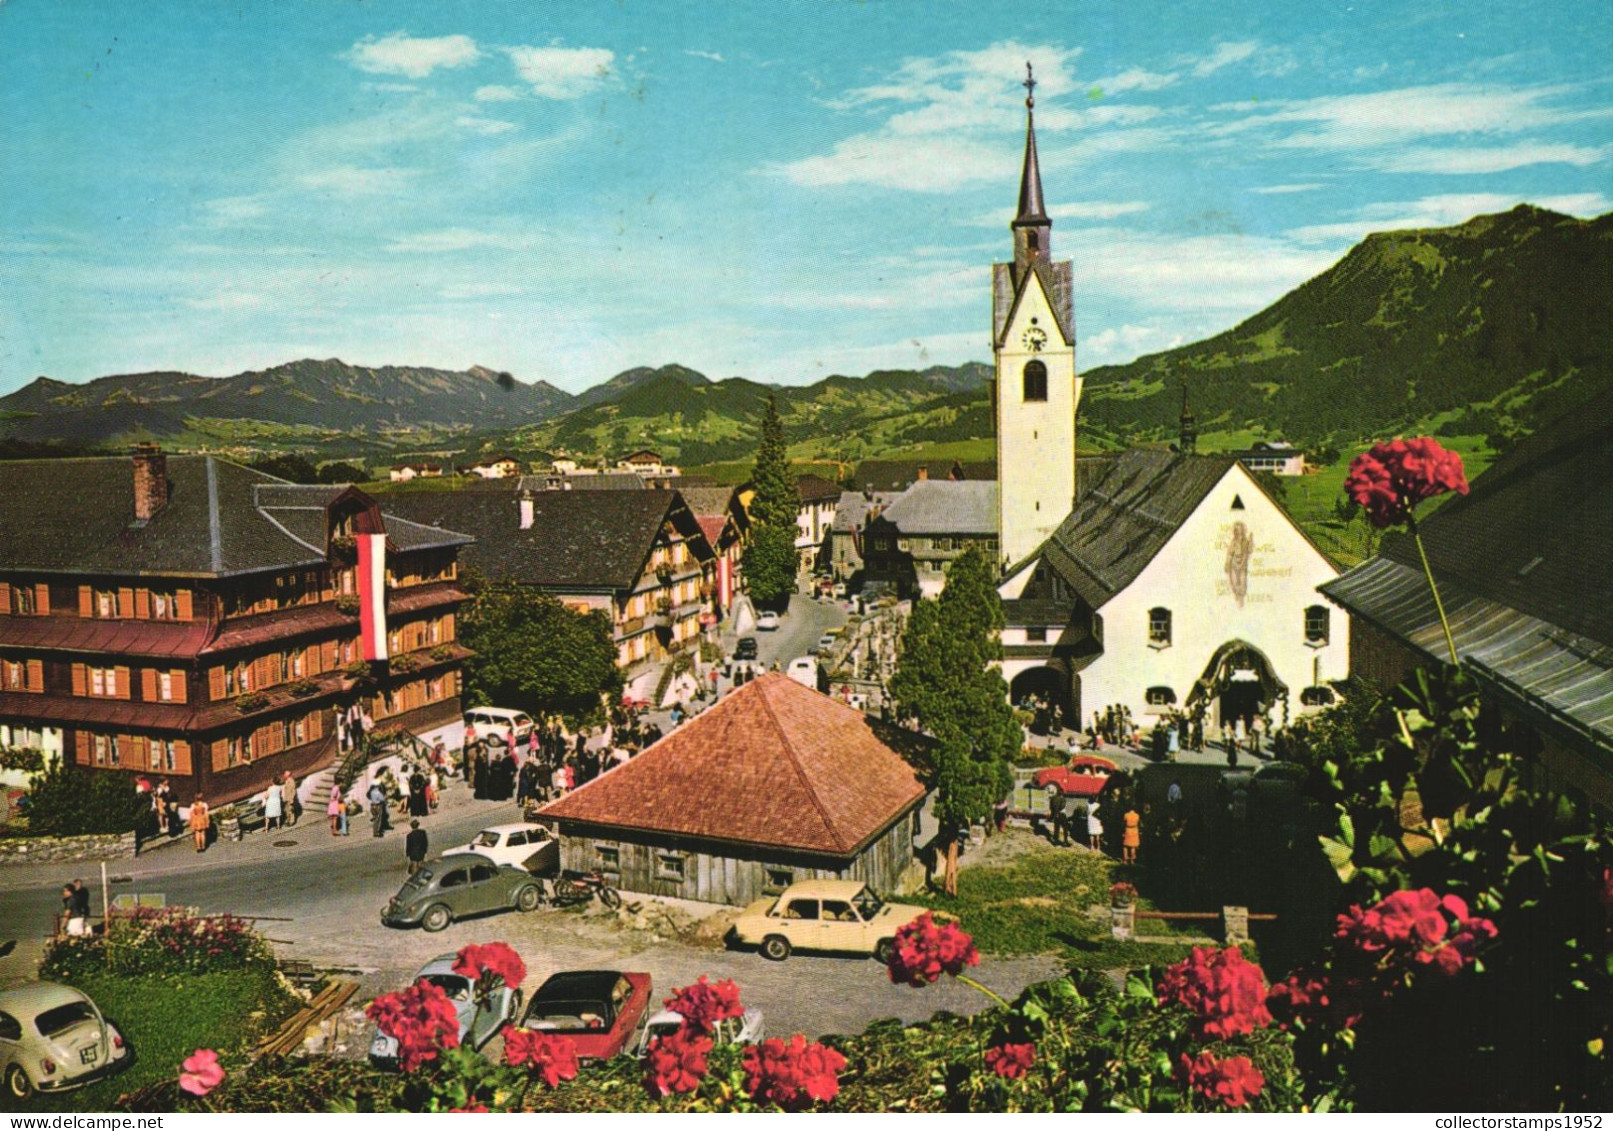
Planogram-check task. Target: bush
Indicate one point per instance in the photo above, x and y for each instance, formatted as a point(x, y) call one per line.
point(160, 941)
point(28, 760)
point(65, 800)
point(249, 701)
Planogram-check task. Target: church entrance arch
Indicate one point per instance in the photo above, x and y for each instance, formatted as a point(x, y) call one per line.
point(1238, 683)
point(1047, 685)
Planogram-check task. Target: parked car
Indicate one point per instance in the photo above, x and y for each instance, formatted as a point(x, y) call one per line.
point(598, 1011)
point(804, 670)
point(827, 915)
point(825, 642)
point(530, 847)
point(768, 622)
point(1085, 776)
point(746, 1029)
point(53, 1038)
point(477, 1026)
point(493, 723)
point(457, 885)
point(746, 648)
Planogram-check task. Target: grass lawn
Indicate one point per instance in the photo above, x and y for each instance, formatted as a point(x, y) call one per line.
point(165, 1019)
point(1037, 902)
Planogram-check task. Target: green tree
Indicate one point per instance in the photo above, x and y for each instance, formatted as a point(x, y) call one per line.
point(770, 558)
point(342, 473)
point(64, 800)
point(948, 680)
point(292, 466)
point(535, 654)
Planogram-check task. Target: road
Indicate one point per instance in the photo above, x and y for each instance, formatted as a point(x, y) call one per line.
point(319, 899)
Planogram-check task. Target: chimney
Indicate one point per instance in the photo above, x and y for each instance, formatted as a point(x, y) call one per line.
point(924, 472)
point(150, 481)
point(526, 510)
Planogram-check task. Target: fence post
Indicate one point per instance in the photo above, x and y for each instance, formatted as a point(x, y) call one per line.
point(1236, 920)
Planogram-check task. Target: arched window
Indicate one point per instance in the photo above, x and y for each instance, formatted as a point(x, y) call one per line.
point(1160, 696)
point(1032, 241)
point(1316, 696)
point(1035, 381)
point(1318, 624)
point(1159, 627)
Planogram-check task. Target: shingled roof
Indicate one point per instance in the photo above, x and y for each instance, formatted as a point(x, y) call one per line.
point(1124, 516)
point(77, 516)
point(774, 764)
point(897, 475)
point(584, 540)
point(941, 506)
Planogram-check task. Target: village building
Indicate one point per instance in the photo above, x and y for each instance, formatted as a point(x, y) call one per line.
point(724, 523)
point(899, 475)
point(1276, 456)
point(495, 467)
point(774, 784)
point(648, 464)
point(1524, 574)
point(1168, 581)
point(185, 617)
point(846, 532)
point(404, 472)
point(815, 513)
point(637, 556)
point(910, 543)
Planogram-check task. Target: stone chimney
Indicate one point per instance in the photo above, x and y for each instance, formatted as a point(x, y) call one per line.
point(150, 481)
point(526, 510)
point(923, 472)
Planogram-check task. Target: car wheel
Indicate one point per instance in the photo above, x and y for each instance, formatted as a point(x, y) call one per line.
point(436, 917)
point(884, 951)
point(18, 1086)
point(516, 999)
point(528, 898)
point(776, 948)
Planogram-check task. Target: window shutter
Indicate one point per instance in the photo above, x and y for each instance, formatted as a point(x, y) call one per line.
point(448, 628)
point(139, 752)
point(182, 600)
point(41, 598)
point(182, 758)
point(5, 597)
point(121, 678)
point(142, 604)
point(215, 683)
point(86, 601)
point(148, 685)
point(125, 602)
point(221, 753)
point(316, 725)
point(81, 748)
point(35, 680)
point(180, 690)
point(80, 682)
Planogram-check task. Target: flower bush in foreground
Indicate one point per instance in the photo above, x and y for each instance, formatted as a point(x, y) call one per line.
point(676, 1062)
point(925, 949)
point(421, 1019)
point(703, 1004)
point(200, 1073)
point(1224, 991)
point(547, 1057)
point(1011, 1061)
point(793, 1074)
point(490, 965)
point(1232, 1080)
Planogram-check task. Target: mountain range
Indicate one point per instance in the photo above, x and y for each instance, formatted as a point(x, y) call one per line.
point(1489, 327)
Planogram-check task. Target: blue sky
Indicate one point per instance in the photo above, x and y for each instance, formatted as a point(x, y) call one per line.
point(778, 190)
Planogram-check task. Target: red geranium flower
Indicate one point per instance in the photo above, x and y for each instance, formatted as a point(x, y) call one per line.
point(676, 1063)
point(550, 1057)
point(470, 1108)
point(1391, 479)
point(1225, 991)
point(1233, 1080)
point(924, 950)
point(1412, 916)
point(792, 1074)
point(1011, 1061)
point(491, 960)
point(200, 1073)
point(421, 1019)
point(704, 1003)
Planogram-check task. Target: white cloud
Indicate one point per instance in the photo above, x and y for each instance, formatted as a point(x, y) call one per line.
point(443, 240)
point(1226, 274)
point(235, 209)
point(351, 180)
point(392, 87)
point(1115, 345)
point(1488, 159)
point(457, 291)
point(1134, 79)
point(497, 94)
point(402, 54)
point(714, 56)
point(489, 126)
point(561, 72)
point(226, 300)
point(1442, 211)
point(1277, 190)
point(930, 164)
point(1070, 210)
point(1224, 55)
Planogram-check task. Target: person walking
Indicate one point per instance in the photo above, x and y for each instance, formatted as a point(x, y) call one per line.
point(1132, 838)
point(288, 799)
point(1094, 828)
point(419, 801)
point(414, 847)
point(334, 809)
point(377, 799)
point(201, 820)
point(272, 809)
point(344, 804)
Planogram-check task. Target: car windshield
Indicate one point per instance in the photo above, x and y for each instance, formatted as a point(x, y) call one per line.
point(485, 840)
point(867, 903)
point(64, 1017)
point(568, 1016)
point(457, 988)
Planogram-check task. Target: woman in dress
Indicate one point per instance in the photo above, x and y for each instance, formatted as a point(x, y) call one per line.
point(334, 809)
point(273, 809)
point(1132, 838)
point(201, 819)
point(1094, 828)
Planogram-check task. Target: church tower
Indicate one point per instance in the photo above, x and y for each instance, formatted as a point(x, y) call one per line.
point(1036, 390)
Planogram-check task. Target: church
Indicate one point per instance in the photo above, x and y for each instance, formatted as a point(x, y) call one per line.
point(1160, 580)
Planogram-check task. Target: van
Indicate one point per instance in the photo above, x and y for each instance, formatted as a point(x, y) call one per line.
point(804, 670)
point(493, 723)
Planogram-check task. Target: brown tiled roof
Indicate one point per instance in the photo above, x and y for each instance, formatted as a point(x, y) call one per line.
point(815, 489)
point(774, 764)
point(125, 637)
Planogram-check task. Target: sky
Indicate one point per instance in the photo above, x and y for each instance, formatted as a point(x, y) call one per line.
point(779, 190)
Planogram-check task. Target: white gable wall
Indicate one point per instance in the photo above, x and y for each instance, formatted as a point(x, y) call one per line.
point(1190, 577)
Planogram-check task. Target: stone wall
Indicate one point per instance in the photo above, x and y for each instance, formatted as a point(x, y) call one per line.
point(56, 849)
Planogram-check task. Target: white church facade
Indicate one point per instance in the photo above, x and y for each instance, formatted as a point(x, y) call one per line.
point(1158, 580)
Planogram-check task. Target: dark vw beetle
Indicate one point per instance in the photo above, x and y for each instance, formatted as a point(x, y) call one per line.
point(457, 885)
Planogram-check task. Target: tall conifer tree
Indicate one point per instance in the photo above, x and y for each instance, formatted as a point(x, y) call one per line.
point(770, 558)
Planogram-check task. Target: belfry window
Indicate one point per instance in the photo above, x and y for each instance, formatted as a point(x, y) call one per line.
point(1032, 241)
point(1159, 628)
point(1318, 625)
point(1035, 381)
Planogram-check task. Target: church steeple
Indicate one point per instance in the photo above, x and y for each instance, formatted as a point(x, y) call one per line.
point(1033, 230)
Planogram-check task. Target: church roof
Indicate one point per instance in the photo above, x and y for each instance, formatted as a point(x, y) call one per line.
point(944, 506)
point(773, 764)
point(1031, 208)
point(1123, 516)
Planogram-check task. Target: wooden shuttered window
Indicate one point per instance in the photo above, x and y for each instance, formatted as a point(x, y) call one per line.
point(186, 604)
point(81, 748)
point(148, 685)
point(5, 597)
point(86, 601)
point(121, 689)
point(80, 680)
point(215, 682)
point(35, 672)
point(41, 599)
point(181, 693)
point(126, 602)
point(221, 753)
point(182, 757)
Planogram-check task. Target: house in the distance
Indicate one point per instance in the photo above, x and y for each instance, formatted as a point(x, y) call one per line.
point(648, 464)
point(909, 544)
point(185, 617)
point(495, 467)
point(1276, 456)
point(815, 513)
point(774, 784)
point(404, 472)
point(723, 521)
point(899, 475)
point(846, 533)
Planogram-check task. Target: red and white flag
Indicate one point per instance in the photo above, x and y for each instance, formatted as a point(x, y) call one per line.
point(372, 595)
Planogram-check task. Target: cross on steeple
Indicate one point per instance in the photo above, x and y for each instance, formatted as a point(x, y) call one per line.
point(1030, 87)
point(1033, 230)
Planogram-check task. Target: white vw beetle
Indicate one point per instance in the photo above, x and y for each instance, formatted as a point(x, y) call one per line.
point(52, 1038)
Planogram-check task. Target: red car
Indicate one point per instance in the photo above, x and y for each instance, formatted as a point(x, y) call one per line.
point(1085, 776)
point(598, 1011)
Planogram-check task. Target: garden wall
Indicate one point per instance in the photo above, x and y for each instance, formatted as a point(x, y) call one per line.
point(52, 849)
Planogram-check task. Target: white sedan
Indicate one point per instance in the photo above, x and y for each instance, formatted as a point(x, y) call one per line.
point(768, 622)
point(526, 846)
point(52, 1038)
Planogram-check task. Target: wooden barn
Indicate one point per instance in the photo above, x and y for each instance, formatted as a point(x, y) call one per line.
point(774, 784)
